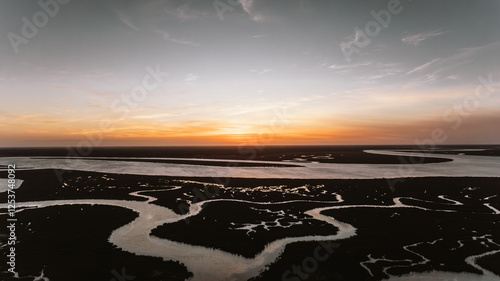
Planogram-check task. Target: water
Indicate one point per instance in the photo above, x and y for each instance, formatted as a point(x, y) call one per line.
point(461, 166)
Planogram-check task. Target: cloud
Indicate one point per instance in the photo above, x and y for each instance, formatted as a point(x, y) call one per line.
point(418, 38)
point(423, 80)
point(350, 40)
point(276, 10)
point(191, 77)
point(261, 72)
point(186, 12)
point(157, 11)
point(271, 105)
point(103, 96)
point(265, 71)
point(368, 71)
point(348, 68)
point(126, 19)
point(248, 7)
point(465, 53)
point(159, 115)
point(148, 16)
point(167, 36)
point(424, 66)
point(447, 68)
point(240, 110)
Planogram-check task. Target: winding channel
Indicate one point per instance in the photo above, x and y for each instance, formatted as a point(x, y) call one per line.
point(204, 262)
point(213, 264)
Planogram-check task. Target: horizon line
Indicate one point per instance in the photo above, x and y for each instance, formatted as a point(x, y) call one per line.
point(271, 145)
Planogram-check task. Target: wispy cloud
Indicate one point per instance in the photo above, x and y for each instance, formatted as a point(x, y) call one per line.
point(260, 72)
point(185, 12)
point(446, 68)
point(256, 36)
point(467, 53)
point(417, 39)
point(248, 6)
point(350, 40)
point(272, 105)
point(368, 71)
point(126, 19)
point(345, 68)
point(424, 66)
point(242, 110)
point(103, 96)
point(191, 77)
point(150, 17)
point(159, 115)
point(168, 37)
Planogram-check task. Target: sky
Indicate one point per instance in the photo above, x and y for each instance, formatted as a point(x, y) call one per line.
point(257, 72)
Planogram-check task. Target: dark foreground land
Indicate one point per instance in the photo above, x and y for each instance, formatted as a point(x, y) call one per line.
point(70, 242)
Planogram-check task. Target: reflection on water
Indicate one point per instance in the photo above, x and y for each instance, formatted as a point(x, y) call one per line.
point(462, 165)
point(4, 185)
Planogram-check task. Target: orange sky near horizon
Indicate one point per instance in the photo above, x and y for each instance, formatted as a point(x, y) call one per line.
point(270, 73)
point(273, 130)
